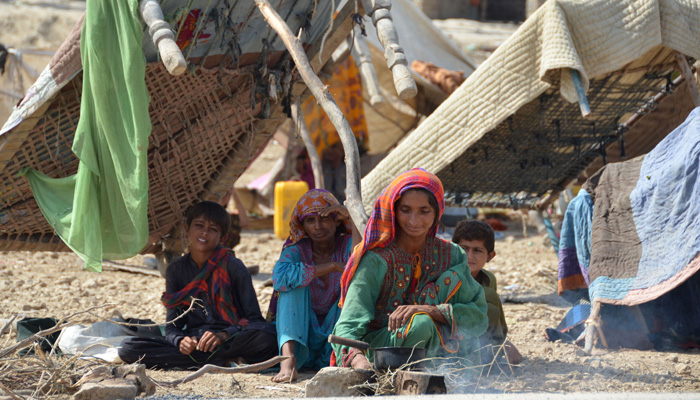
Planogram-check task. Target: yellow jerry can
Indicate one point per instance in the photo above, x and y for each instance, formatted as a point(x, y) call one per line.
point(287, 193)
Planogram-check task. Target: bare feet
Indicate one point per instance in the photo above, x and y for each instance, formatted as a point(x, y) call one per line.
point(288, 368)
point(288, 371)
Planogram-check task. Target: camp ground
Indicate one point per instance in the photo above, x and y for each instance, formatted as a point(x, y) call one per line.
point(598, 93)
point(547, 109)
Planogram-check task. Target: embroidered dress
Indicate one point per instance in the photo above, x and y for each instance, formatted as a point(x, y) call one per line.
point(383, 282)
point(306, 308)
point(380, 277)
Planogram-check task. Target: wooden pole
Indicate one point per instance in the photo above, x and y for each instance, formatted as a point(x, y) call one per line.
point(323, 96)
point(688, 76)
point(361, 54)
point(300, 123)
point(580, 93)
point(163, 37)
point(592, 325)
point(395, 57)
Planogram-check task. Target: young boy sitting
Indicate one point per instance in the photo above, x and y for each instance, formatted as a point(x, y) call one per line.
point(477, 240)
point(225, 322)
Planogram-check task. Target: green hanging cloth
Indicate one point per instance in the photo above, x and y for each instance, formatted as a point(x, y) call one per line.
point(101, 211)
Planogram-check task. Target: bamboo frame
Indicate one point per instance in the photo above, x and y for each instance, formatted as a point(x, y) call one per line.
point(323, 96)
point(300, 124)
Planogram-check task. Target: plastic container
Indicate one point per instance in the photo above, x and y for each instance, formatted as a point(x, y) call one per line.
point(287, 194)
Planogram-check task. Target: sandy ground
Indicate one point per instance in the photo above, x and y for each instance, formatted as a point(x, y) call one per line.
point(54, 284)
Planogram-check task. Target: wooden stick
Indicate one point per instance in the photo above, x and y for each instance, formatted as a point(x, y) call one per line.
point(394, 54)
point(224, 370)
point(361, 54)
point(323, 96)
point(592, 324)
point(59, 325)
point(28, 341)
point(298, 116)
point(130, 268)
point(163, 37)
point(7, 325)
point(688, 76)
point(10, 393)
point(580, 93)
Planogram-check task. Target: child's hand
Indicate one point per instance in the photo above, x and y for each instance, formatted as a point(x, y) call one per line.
point(341, 213)
point(210, 340)
point(188, 344)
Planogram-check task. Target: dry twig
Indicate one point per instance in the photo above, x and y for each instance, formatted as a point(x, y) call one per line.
point(224, 370)
point(8, 324)
point(62, 323)
point(10, 392)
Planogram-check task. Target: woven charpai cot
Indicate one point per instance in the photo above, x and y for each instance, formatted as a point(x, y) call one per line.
point(513, 130)
point(199, 121)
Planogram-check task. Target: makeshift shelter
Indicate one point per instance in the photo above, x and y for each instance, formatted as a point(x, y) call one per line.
point(390, 119)
point(513, 132)
point(207, 124)
point(640, 243)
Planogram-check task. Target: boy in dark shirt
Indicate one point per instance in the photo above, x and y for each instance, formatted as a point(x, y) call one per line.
point(225, 321)
point(477, 240)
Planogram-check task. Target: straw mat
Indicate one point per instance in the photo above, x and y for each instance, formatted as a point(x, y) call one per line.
point(199, 121)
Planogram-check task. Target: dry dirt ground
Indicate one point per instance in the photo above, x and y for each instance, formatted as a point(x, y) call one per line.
point(54, 284)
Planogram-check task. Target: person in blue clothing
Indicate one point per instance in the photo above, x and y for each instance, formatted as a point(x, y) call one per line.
point(306, 279)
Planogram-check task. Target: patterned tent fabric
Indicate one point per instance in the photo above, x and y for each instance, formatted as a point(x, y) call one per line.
point(346, 88)
point(645, 238)
point(518, 111)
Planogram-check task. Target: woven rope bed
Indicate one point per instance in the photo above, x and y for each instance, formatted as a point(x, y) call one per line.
point(513, 132)
point(547, 143)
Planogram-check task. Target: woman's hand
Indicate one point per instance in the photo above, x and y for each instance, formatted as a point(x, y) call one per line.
point(327, 268)
point(210, 340)
point(360, 362)
point(188, 344)
point(341, 213)
point(339, 267)
point(403, 314)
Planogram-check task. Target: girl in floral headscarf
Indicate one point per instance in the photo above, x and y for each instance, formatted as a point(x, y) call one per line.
point(405, 287)
point(307, 278)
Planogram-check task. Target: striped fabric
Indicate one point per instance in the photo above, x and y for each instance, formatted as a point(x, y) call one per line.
point(310, 203)
point(220, 292)
point(380, 228)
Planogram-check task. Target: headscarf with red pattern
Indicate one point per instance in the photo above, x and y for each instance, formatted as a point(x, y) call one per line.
point(380, 230)
point(311, 203)
point(219, 293)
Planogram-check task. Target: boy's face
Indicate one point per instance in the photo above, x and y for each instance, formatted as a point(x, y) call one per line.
point(203, 234)
point(477, 255)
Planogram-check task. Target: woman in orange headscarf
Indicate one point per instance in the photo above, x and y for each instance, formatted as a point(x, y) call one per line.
point(405, 287)
point(307, 279)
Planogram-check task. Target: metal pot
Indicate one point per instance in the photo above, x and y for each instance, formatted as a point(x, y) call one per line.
point(386, 357)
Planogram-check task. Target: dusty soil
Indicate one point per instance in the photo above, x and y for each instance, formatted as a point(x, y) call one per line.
point(54, 284)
